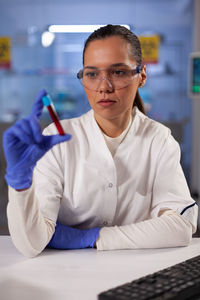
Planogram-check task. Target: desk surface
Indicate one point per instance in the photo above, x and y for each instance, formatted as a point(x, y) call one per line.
point(79, 274)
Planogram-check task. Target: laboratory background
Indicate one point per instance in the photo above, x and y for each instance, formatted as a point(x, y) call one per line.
point(36, 55)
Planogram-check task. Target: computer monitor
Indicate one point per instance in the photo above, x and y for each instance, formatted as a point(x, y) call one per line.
point(194, 80)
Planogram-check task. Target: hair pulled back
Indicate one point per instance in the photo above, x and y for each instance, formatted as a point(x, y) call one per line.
point(135, 48)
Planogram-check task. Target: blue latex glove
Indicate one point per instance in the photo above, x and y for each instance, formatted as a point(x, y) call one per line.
point(66, 237)
point(24, 145)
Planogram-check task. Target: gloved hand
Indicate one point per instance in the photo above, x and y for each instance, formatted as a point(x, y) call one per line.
point(66, 237)
point(24, 145)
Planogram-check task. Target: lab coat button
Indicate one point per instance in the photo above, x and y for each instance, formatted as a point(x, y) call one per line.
point(110, 185)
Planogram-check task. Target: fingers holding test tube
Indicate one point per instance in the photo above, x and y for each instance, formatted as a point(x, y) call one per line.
point(38, 105)
point(43, 99)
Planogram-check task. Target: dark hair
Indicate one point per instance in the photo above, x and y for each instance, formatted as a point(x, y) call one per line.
point(135, 48)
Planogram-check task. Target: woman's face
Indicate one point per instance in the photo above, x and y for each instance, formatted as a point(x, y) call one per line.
point(108, 102)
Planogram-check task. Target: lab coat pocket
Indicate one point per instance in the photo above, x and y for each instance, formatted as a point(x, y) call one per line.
point(142, 206)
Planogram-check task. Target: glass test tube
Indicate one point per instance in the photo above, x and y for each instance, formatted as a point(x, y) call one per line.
point(53, 114)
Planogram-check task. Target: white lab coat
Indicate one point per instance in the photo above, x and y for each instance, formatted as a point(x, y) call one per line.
point(139, 196)
point(82, 185)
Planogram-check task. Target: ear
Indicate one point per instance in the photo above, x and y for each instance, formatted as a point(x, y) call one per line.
point(143, 76)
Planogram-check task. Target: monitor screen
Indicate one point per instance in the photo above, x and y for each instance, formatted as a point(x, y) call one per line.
point(195, 74)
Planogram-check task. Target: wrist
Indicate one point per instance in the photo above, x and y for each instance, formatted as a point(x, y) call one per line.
point(21, 190)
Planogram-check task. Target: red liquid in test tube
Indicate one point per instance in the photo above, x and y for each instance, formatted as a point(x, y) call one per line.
point(47, 102)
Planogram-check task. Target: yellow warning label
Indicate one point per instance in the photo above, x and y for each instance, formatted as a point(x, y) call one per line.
point(5, 57)
point(150, 48)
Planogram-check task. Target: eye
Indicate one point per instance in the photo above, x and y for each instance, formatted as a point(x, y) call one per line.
point(91, 74)
point(119, 73)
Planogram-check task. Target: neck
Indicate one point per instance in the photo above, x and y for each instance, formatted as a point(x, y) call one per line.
point(113, 127)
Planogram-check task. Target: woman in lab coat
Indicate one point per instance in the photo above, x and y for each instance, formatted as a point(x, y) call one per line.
point(117, 183)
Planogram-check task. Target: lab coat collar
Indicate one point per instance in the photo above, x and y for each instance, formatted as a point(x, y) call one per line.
point(96, 138)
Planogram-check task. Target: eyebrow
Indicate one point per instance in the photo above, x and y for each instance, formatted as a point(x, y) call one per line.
point(120, 65)
point(111, 66)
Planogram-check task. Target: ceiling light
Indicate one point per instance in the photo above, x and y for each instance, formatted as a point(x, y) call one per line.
point(76, 28)
point(47, 38)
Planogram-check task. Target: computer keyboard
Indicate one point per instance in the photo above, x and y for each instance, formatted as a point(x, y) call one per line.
point(179, 282)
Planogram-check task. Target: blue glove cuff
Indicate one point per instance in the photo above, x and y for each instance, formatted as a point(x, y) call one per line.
point(19, 180)
point(90, 236)
point(66, 237)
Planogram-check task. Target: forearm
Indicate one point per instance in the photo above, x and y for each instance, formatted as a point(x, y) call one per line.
point(168, 230)
point(29, 230)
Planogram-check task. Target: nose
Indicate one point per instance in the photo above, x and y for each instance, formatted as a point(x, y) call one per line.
point(105, 85)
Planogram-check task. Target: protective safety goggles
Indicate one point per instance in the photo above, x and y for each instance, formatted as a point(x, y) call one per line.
point(117, 77)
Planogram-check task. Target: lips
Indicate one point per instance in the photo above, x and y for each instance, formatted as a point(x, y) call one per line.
point(106, 102)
